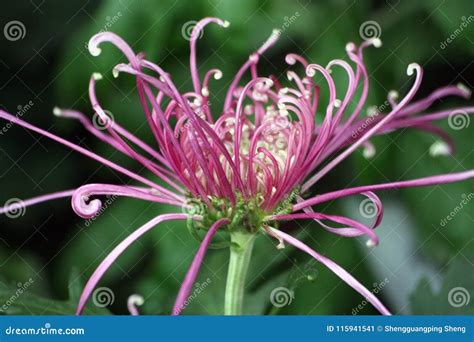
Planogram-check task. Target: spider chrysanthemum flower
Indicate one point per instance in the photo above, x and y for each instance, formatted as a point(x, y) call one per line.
point(247, 167)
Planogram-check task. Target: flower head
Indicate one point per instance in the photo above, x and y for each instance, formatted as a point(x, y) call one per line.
point(248, 165)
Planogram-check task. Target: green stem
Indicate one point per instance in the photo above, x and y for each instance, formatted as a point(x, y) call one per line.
point(240, 253)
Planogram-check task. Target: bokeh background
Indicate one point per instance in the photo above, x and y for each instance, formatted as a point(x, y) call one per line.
point(420, 261)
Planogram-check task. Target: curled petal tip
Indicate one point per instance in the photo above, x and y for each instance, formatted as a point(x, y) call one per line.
point(115, 72)
point(225, 24)
point(412, 67)
point(218, 75)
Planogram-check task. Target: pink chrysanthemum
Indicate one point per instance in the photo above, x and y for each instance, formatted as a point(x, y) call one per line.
point(248, 166)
